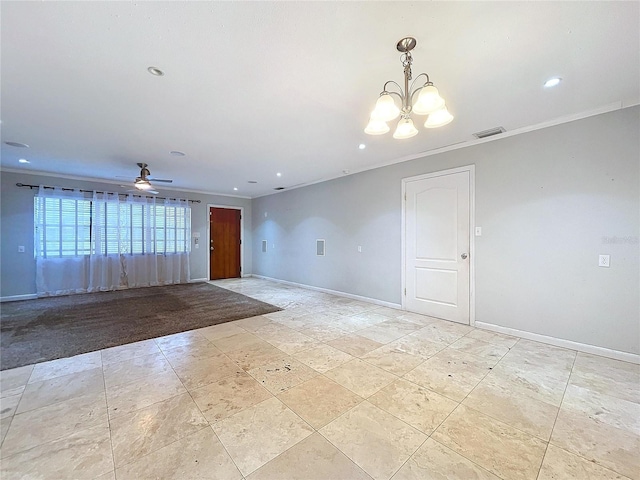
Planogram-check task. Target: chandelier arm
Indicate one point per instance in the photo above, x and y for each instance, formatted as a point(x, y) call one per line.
point(414, 82)
point(384, 89)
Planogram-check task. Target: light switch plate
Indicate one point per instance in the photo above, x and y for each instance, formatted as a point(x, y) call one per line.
point(21, 249)
point(478, 231)
point(604, 261)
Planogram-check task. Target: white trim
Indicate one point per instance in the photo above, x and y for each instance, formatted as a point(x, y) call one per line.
point(242, 244)
point(332, 292)
point(15, 298)
point(472, 239)
point(198, 280)
point(611, 107)
point(561, 342)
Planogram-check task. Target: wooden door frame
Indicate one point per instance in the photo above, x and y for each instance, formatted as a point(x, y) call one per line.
point(472, 222)
point(229, 207)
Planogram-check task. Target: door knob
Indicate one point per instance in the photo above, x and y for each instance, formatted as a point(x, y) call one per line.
point(464, 256)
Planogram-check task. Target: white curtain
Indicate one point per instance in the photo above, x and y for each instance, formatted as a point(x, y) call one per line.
point(106, 243)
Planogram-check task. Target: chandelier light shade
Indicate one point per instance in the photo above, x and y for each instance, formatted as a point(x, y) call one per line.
point(428, 101)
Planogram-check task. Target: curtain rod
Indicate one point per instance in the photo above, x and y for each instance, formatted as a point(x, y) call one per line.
point(108, 193)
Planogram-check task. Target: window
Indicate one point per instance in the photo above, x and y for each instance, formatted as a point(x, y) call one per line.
point(71, 227)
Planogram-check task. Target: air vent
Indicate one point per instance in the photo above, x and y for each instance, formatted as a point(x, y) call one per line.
point(264, 246)
point(490, 132)
point(279, 188)
point(320, 248)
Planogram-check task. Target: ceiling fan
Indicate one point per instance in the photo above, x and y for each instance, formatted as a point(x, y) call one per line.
point(143, 182)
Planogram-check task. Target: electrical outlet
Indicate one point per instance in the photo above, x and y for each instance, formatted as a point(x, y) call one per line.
point(360, 248)
point(20, 248)
point(603, 261)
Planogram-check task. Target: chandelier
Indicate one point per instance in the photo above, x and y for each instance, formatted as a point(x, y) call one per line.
point(429, 101)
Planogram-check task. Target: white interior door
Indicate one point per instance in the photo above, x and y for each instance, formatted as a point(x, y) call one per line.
point(437, 273)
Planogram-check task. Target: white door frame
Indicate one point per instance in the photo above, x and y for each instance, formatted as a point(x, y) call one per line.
point(472, 221)
point(230, 207)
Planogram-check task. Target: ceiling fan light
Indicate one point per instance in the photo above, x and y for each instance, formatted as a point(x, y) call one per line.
point(405, 129)
point(429, 100)
point(386, 109)
point(376, 127)
point(142, 185)
point(438, 118)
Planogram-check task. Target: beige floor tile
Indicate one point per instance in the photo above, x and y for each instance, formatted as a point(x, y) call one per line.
point(479, 348)
point(587, 363)
point(323, 358)
point(434, 461)
point(355, 323)
point(419, 407)
point(188, 353)
point(222, 330)
point(252, 324)
point(319, 400)
point(388, 331)
point(229, 396)
point(514, 407)
point(392, 359)
point(199, 455)
point(493, 338)
point(535, 354)
point(323, 333)
point(451, 373)
point(559, 464)
point(129, 397)
point(134, 369)
point(136, 434)
point(203, 371)
point(314, 458)
point(13, 381)
point(495, 446)
point(547, 385)
point(5, 423)
point(192, 337)
point(282, 374)
point(354, 345)
point(432, 333)
point(256, 354)
point(416, 346)
point(238, 341)
point(608, 376)
point(602, 408)
point(58, 389)
point(55, 421)
point(65, 366)
point(388, 312)
point(598, 442)
point(291, 342)
point(129, 351)
point(107, 476)
point(83, 455)
point(260, 433)
point(422, 320)
point(361, 377)
point(375, 440)
point(8, 405)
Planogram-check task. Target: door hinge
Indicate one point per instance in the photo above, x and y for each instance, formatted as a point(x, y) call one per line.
point(240, 241)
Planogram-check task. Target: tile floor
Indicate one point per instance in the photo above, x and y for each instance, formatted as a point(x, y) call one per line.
point(329, 388)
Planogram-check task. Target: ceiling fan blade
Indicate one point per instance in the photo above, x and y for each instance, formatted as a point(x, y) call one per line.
point(155, 192)
point(151, 179)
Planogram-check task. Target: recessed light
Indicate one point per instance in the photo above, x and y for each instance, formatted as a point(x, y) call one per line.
point(552, 82)
point(16, 144)
point(23, 160)
point(362, 146)
point(155, 71)
point(235, 188)
point(252, 181)
point(278, 174)
point(177, 153)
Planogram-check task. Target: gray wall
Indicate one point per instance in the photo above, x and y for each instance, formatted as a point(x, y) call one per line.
point(17, 270)
point(548, 202)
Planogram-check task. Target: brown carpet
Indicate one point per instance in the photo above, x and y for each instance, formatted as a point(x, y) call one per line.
point(33, 331)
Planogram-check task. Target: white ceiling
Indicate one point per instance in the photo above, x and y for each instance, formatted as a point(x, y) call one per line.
point(255, 88)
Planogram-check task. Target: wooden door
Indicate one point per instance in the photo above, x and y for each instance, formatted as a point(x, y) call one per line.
point(224, 243)
point(437, 276)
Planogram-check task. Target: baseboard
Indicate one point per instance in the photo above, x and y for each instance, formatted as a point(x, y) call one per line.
point(559, 342)
point(15, 298)
point(198, 280)
point(332, 292)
